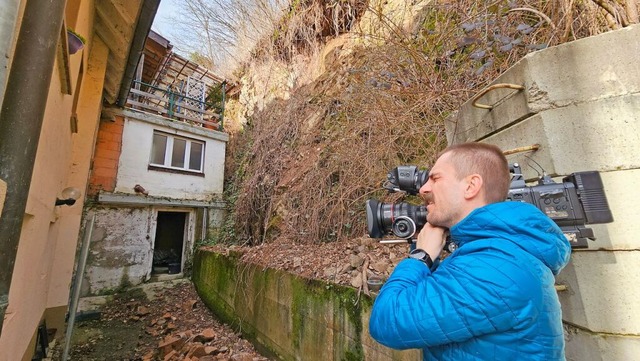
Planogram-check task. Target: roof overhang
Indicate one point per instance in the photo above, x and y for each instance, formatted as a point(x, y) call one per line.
point(123, 25)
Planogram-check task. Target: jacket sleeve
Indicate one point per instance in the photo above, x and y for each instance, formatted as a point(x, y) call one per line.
point(464, 298)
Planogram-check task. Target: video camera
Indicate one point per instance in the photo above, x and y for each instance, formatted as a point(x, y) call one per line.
point(577, 201)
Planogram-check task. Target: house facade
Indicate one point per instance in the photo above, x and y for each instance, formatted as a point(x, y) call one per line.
point(156, 182)
point(52, 95)
point(156, 189)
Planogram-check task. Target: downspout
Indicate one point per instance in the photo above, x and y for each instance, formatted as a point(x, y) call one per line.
point(21, 116)
point(8, 19)
point(147, 14)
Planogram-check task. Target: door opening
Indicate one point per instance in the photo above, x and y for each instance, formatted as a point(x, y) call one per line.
point(167, 250)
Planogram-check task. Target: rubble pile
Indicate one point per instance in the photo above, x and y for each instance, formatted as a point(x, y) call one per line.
point(172, 325)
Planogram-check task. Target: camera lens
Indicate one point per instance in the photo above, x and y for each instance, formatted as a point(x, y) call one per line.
point(374, 219)
point(404, 227)
point(402, 219)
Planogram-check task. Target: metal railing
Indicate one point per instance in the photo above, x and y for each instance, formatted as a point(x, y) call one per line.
point(174, 105)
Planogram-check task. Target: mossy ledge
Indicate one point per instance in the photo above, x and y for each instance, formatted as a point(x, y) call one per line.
point(286, 316)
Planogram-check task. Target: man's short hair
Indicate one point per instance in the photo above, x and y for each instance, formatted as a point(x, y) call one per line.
point(488, 161)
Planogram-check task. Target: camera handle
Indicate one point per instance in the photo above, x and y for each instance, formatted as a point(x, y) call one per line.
point(396, 241)
point(449, 246)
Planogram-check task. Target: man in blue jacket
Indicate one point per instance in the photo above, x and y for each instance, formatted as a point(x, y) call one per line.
point(494, 297)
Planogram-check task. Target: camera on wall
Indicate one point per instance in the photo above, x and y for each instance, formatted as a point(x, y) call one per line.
point(577, 201)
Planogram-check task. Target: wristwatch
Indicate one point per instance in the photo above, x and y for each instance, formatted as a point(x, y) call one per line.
point(421, 255)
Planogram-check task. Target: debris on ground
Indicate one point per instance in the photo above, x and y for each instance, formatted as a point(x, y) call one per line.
point(173, 326)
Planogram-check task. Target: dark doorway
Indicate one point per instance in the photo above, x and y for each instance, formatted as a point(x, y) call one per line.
point(167, 250)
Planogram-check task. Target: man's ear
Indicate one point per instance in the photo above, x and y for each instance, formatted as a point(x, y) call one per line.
point(474, 186)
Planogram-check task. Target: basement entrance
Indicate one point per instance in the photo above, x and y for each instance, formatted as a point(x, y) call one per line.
point(167, 249)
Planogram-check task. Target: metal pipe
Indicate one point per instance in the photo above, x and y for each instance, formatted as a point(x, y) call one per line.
point(21, 118)
point(224, 100)
point(528, 148)
point(474, 100)
point(77, 285)
point(8, 19)
point(147, 14)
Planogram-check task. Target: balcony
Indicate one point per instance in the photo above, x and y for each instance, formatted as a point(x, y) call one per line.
point(175, 105)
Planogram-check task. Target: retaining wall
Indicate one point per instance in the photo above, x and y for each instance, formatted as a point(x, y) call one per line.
point(581, 105)
point(289, 317)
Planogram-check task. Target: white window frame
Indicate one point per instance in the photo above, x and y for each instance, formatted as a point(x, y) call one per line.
point(168, 153)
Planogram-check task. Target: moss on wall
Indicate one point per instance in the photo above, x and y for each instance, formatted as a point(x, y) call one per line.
point(286, 316)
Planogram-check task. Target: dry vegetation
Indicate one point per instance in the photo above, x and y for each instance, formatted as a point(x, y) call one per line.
point(303, 167)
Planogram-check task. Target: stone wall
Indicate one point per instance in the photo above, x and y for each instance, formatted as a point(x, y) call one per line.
point(580, 104)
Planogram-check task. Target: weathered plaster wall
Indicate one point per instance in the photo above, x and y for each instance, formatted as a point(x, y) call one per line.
point(134, 160)
point(123, 239)
point(121, 250)
point(49, 233)
point(88, 114)
point(580, 104)
point(291, 317)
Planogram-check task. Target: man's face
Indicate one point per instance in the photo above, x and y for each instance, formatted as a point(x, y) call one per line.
point(444, 194)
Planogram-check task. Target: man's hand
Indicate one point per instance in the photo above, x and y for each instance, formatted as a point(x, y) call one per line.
point(431, 239)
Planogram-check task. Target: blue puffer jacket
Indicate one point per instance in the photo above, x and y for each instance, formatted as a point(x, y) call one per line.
point(492, 299)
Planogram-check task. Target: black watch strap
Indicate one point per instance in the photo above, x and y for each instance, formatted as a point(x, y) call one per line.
point(421, 255)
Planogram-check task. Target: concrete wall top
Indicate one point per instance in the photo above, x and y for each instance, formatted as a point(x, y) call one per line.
point(554, 78)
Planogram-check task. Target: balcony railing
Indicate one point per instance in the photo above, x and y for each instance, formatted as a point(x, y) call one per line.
point(173, 105)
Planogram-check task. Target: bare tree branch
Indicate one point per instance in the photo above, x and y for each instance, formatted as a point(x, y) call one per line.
point(621, 18)
point(224, 31)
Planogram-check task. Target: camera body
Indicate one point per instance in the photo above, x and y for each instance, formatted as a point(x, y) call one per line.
point(577, 201)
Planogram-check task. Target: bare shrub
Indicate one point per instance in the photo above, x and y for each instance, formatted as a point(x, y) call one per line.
point(305, 166)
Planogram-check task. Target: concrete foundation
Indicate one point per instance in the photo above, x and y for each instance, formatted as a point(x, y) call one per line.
point(122, 246)
point(580, 106)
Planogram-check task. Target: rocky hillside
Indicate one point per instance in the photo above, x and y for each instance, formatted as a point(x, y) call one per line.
point(345, 90)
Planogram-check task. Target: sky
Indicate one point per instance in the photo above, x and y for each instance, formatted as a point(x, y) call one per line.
point(162, 23)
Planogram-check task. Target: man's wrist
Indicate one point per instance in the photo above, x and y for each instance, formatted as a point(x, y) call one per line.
point(431, 239)
point(421, 255)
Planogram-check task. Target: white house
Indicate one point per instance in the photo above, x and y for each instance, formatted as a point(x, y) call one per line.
point(156, 181)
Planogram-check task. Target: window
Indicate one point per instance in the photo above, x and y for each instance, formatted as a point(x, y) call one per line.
point(179, 153)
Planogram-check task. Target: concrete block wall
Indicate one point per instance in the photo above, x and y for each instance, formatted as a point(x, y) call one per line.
point(581, 106)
